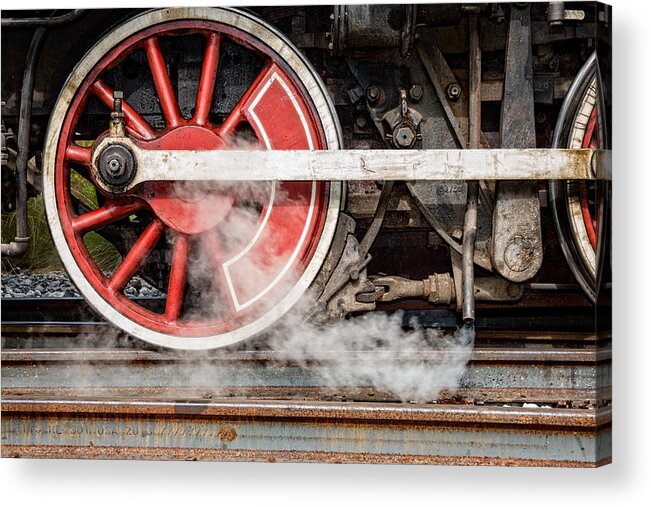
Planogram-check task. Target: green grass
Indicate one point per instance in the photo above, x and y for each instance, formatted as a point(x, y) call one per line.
point(41, 255)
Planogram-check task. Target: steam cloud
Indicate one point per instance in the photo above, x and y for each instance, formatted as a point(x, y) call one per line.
point(374, 350)
point(415, 364)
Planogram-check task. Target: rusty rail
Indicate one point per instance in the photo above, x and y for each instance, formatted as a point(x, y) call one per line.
point(500, 367)
point(338, 411)
point(527, 398)
point(222, 429)
point(556, 397)
point(527, 407)
point(485, 355)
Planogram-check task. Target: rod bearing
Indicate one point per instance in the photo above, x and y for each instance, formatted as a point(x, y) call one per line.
point(117, 166)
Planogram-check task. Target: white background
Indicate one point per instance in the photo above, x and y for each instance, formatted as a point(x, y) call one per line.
point(625, 482)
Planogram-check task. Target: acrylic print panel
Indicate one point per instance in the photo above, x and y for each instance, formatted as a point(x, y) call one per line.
point(154, 310)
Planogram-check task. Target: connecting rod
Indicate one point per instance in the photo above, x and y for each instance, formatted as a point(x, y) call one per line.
point(360, 165)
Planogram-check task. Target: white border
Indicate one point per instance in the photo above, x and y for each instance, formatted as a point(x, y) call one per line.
point(625, 482)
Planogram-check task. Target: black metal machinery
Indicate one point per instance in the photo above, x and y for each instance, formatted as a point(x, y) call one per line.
point(395, 77)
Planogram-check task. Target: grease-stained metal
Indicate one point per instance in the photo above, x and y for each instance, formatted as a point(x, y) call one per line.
point(516, 243)
point(355, 432)
point(439, 289)
point(365, 165)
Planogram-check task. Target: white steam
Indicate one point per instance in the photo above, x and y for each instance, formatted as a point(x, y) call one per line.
point(374, 350)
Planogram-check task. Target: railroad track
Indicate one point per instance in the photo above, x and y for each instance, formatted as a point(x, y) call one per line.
point(531, 397)
point(226, 429)
point(44, 320)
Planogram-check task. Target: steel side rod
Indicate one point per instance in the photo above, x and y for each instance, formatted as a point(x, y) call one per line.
point(470, 218)
point(364, 165)
point(20, 243)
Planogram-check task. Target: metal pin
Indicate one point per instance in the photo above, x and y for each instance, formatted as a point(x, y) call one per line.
point(117, 101)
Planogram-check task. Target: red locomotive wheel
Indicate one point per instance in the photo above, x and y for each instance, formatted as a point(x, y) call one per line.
point(576, 204)
point(236, 257)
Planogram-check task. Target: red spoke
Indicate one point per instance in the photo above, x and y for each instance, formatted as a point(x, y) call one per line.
point(78, 154)
point(589, 141)
point(214, 250)
point(231, 122)
point(589, 137)
point(136, 124)
point(162, 82)
point(236, 116)
point(178, 275)
point(136, 256)
point(104, 216)
point(208, 78)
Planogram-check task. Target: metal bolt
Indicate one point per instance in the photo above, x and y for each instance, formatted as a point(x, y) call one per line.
point(118, 96)
point(453, 91)
point(115, 167)
point(457, 233)
point(404, 137)
point(556, 13)
point(360, 121)
point(416, 92)
point(373, 93)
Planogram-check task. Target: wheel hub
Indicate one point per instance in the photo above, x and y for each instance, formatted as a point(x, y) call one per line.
point(185, 210)
point(116, 166)
point(191, 207)
point(188, 207)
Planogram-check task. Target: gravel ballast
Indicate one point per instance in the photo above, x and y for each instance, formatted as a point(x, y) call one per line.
point(58, 285)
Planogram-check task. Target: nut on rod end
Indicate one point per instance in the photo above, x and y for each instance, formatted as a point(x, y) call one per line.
point(117, 101)
point(117, 125)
